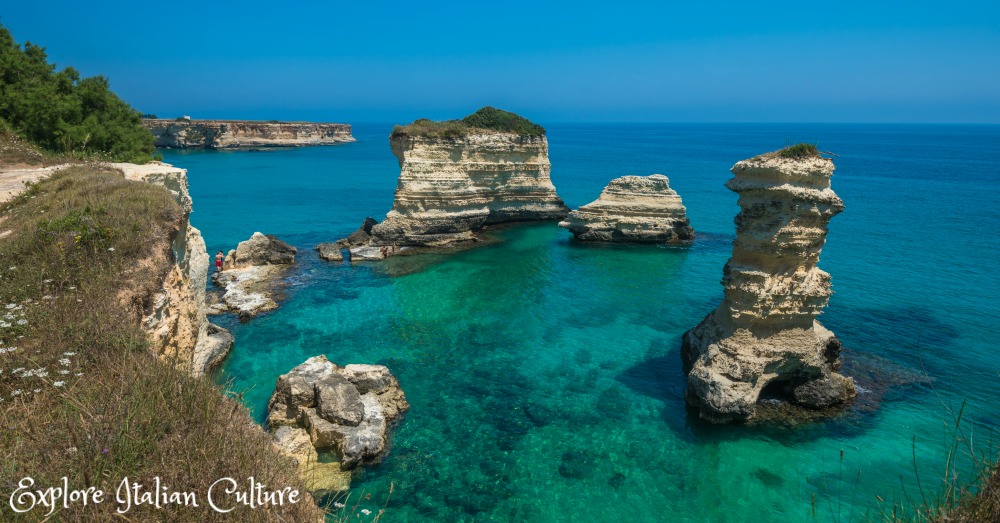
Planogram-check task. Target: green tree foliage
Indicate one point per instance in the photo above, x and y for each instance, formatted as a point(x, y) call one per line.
point(61, 112)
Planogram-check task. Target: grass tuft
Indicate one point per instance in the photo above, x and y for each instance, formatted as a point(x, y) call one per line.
point(799, 151)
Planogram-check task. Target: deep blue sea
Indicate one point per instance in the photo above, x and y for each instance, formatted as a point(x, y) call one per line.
point(544, 375)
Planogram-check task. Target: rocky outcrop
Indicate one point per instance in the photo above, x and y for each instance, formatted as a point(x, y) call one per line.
point(456, 179)
point(764, 340)
point(251, 273)
point(641, 209)
point(175, 319)
point(347, 410)
point(233, 134)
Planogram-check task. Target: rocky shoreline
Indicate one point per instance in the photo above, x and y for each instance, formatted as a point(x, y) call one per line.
point(241, 134)
point(250, 275)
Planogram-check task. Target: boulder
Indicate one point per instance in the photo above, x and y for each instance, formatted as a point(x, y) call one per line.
point(346, 410)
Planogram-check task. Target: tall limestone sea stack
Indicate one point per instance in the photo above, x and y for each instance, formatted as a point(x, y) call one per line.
point(765, 333)
point(641, 209)
point(459, 176)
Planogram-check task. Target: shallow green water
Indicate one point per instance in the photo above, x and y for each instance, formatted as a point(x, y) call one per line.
point(544, 375)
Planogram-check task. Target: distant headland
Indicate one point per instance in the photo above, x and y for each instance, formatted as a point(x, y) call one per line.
point(185, 133)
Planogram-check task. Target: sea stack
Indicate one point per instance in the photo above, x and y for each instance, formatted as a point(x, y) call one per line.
point(459, 176)
point(765, 333)
point(641, 209)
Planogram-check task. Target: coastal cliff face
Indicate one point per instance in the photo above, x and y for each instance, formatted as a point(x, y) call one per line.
point(450, 188)
point(175, 320)
point(640, 209)
point(765, 333)
point(233, 134)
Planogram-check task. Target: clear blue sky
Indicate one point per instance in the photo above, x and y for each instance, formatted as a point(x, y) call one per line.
point(804, 61)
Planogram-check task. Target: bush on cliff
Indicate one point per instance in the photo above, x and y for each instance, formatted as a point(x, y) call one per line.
point(62, 112)
point(487, 118)
point(799, 151)
point(81, 256)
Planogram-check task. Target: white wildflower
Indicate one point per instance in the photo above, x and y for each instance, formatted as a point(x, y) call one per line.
point(111, 249)
point(69, 354)
point(15, 371)
point(11, 305)
point(78, 374)
point(22, 321)
point(73, 288)
point(17, 392)
point(64, 372)
point(36, 391)
point(47, 297)
point(12, 267)
point(365, 511)
point(58, 383)
point(4, 324)
point(338, 505)
point(64, 361)
point(5, 350)
point(9, 316)
point(47, 281)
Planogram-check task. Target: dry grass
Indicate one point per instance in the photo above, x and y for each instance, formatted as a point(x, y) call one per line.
point(81, 395)
point(15, 150)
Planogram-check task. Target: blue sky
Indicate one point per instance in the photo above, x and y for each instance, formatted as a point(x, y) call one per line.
point(887, 61)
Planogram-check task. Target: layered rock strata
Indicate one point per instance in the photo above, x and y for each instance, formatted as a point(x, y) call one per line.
point(322, 407)
point(764, 337)
point(251, 272)
point(176, 318)
point(450, 189)
point(233, 134)
point(642, 209)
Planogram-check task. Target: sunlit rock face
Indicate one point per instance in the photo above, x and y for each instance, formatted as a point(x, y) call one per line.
point(765, 333)
point(637, 209)
point(234, 134)
point(450, 188)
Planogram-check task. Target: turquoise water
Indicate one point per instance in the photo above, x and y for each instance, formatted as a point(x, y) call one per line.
point(544, 375)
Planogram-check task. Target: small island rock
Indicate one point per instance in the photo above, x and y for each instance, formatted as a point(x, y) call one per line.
point(642, 209)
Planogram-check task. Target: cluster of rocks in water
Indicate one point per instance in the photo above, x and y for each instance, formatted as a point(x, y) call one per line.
point(762, 342)
point(321, 407)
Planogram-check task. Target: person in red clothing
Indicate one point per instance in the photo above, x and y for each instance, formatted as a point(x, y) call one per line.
point(218, 261)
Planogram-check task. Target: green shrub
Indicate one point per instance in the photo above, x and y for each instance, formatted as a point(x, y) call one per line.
point(799, 151)
point(487, 118)
point(59, 111)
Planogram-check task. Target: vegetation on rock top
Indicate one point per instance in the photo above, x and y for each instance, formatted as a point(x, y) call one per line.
point(487, 118)
point(799, 151)
point(62, 112)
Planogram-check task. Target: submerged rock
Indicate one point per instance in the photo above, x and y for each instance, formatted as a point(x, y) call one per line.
point(633, 209)
point(765, 333)
point(348, 410)
point(251, 272)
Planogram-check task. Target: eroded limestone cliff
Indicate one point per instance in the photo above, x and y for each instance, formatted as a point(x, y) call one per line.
point(633, 209)
point(176, 320)
point(233, 134)
point(251, 273)
point(765, 333)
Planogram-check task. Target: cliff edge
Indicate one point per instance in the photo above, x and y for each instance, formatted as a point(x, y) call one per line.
point(176, 319)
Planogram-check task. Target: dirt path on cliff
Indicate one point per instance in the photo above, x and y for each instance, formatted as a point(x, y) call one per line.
point(13, 178)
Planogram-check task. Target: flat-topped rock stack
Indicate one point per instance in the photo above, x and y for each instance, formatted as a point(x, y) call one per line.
point(236, 134)
point(460, 176)
point(765, 335)
point(640, 209)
